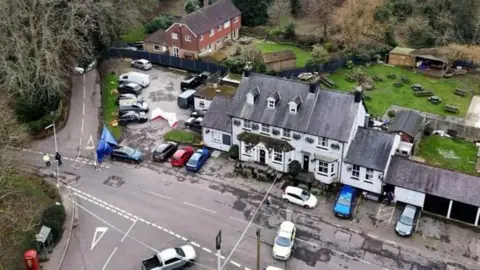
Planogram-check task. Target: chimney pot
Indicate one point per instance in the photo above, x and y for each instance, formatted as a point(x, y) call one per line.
point(246, 70)
point(358, 96)
point(312, 88)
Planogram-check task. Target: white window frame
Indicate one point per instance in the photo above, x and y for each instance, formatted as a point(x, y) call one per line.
point(248, 150)
point(157, 48)
point(175, 36)
point(286, 133)
point(235, 20)
point(247, 124)
point(322, 167)
point(293, 109)
point(219, 28)
point(277, 156)
point(369, 176)
point(201, 37)
point(226, 24)
point(216, 136)
point(322, 142)
point(355, 172)
point(188, 38)
point(271, 104)
point(219, 41)
point(265, 128)
point(212, 32)
point(201, 104)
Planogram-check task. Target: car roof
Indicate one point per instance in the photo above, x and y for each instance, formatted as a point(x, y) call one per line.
point(143, 61)
point(286, 227)
point(179, 153)
point(292, 189)
point(273, 268)
point(409, 210)
point(131, 84)
point(128, 113)
point(126, 102)
point(345, 190)
point(168, 253)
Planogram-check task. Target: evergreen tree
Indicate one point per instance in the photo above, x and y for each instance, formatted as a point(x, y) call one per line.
point(254, 12)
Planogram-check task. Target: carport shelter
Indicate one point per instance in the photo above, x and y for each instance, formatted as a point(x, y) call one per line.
point(439, 191)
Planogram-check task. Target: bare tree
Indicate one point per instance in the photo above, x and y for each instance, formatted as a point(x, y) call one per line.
point(321, 12)
point(278, 9)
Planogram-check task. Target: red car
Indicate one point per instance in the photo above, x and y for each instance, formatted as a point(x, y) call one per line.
point(181, 156)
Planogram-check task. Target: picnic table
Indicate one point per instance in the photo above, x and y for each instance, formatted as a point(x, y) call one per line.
point(417, 87)
point(435, 99)
point(451, 108)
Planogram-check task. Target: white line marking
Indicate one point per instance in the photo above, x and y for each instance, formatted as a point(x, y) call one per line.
point(101, 205)
point(109, 258)
point(159, 227)
point(246, 268)
point(243, 221)
point(195, 244)
point(113, 211)
point(207, 250)
point(204, 209)
point(170, 232)
point(372, 236)
point(127, 213)
point(142, 220)
point(165, 230)
point(336, 225)
point(156, 194)
point(305, 241)
point(178, 236)
point(108, 208)
point(129, 229)
point(148, 222)
point(123, 211)
point(235, 263)
point(355, 231)
point(153, 225)
point(184, 239)
point(132, 219)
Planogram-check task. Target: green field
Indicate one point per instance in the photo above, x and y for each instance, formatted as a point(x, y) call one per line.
point(302, 55)
point(182, 136)
point(109, 108)
point(385, 94)
point(453, 154)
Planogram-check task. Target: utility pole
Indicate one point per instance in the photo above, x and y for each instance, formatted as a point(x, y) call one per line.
point(258, 248)
point(56, 149)
point(218, 242)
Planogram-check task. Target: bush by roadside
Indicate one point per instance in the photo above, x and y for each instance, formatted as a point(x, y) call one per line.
point(54, 217)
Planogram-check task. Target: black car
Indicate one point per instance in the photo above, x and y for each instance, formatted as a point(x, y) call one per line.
point(193, 81)
point(200, 113)
point(127, 154)
point(128, 117)
point(164, 151)
point(194, 123)
point(129, 88)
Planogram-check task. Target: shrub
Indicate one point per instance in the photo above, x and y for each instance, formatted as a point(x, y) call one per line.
point(234, 151)
point(160, 22)
point(54, 217)
point(303, 186)
point(275, 32)
point(391, 113)
point(235, 65)
point(349, 64)
point(382, 14)
point(238, 51)
point(36, 127)
point(316, 191)
point(290, 30)
point(191, 6)
point(294, 168)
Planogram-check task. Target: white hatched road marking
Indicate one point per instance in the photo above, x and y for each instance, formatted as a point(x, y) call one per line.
point(235, 263)
point(207, 250)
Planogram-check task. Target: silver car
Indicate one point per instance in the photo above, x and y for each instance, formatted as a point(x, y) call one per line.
point(142, 64)
point(132, 105)
point(406, 222)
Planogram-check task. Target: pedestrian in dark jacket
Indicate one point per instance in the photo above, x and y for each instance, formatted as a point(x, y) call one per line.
point(58, 158)
point(390, 197)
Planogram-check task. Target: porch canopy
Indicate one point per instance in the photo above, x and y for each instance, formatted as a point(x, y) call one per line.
point(269, 142)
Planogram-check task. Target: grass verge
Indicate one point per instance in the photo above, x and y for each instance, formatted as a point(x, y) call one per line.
point(302, 55)
point(448, 153)
point(182, 136)
point(135, 34)
point(109, 108)
point(385, 94)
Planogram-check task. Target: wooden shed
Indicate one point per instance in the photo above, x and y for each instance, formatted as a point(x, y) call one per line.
point(400, 56)
point(281, 60)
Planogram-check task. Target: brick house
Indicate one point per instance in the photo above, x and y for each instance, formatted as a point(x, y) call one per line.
point(204, 31)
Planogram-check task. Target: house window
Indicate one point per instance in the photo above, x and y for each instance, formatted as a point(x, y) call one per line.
point(322, 142)
point(188, 38)
point(293, 109)
point(247, 124)
point(322, 167)
point(286, 133)
point(219, 40)
point(201, 104)
point(235, 20)
point(216, 136)
point(174, 36)
point(369, 176)
point(201, 37)
point(265, 128)
point(356, 171)
point(277, 156)
point(219, 27)
point(157, 48)
point(271, 103)
point(248, 150)
point(212, 32)
point(226, 24)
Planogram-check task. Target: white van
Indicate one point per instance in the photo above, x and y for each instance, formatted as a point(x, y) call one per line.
point(135, 77)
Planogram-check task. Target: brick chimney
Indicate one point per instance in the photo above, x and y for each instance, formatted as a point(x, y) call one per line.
point(205, 3)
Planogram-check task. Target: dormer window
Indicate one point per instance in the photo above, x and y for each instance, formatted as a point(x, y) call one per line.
point(273, 99)
point(252, 94)
point(294, 104)
point(271, 103)
point(293, 108)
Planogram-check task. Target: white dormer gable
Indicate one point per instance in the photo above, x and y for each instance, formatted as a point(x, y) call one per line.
point(294, 104)
point(273, 99)
point(251, 95)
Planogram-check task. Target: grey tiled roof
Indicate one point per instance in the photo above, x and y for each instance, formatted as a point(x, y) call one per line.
point(211, 16)
point(217, 115)
point(325, 113)
point(435, 181)
point(297, 100)
point(408, 122)
point(275, 95)
point(370, 149)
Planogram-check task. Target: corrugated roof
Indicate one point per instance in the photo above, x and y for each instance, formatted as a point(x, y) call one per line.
point(402, 50)
point(211, 16)
point(273, 57)
point(408, 122)
point(217, 115)
point(370, 149)
point(443, 183)
point(157, 37)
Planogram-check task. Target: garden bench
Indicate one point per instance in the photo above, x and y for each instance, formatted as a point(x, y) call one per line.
point(461, 92)
point(451, 108)
point(417, 87)
point(423, 93)
point(328, 83)
point(434, 100)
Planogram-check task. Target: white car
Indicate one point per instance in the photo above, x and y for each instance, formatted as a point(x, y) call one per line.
point(142, 64)
point(282, 248)
point(81, 70)
point(273, 268)
point(172, 258)
point(299, 196)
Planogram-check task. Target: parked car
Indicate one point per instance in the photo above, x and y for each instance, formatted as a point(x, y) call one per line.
point(132, 105)
point(127, 154)
point(343, 206)
point(138, 45)
point(194, 123)
point(181, 156)
point(142, 64)
point(406, 222)
point(199, 113)
point(128, 96)
point(299, 196)
point(141, 79)
point(193, 81)
point(129, 88)
point(128, 117)
point(164, 151)
point(197, 160)
point(172, 258)
point(272, 268)
point(185, 99)
point(282, 247)
point(85, 66)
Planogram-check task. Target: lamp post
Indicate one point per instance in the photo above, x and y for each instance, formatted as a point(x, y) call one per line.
point(56, 148)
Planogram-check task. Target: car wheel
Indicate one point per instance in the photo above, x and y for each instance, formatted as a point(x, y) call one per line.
point(190, 263)
point(305, 206)
point(285, 200)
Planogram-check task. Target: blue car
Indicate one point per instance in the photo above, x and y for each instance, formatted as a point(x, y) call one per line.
point(127, 154)
point(197, 160)
point(344, 202)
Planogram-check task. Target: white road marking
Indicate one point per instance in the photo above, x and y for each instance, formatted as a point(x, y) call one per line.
point(205, 209)
point(102, 231)
point(109, 258)
point(353, 258)
point(246, 268)
point(165, 230)
point(243, 221)
point(235, 263)
point(142, 220)
point(207, 250)
point(336, 225)
point(195, 244)
point(184, 239)
point(148, 222)
point(372, 236)
point(178, 236)
point(355, 231)
point(170, 232)
point(129, 229)
point(156, 194)
point(159, 227)
point(305, 241)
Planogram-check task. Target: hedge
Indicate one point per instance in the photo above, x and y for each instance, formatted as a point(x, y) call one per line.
point(54, 216)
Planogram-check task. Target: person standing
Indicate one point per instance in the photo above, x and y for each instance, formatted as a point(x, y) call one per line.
point(269, 200)
point(58, 158)
point(46, 158)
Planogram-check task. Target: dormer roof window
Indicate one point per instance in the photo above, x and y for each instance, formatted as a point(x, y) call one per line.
point(294, 104)
point(252, 94)
point(273, 99)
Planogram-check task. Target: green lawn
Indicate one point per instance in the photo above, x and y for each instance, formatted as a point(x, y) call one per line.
point(453, 154)
point(182, 136)
point(302, 55)
point(135, 34)
point(109, 107)
point(385, 94)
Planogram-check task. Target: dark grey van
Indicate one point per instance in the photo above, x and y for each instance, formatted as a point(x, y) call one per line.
point(185, 99)
point(194, 81)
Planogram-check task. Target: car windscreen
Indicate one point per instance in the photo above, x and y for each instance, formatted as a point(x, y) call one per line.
point(282, 241)
point(129, 151)
point(161, 148)
point(305, 195)
point(180, 252)
point(406, 220)
point(193, 160)
point(343, 201)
